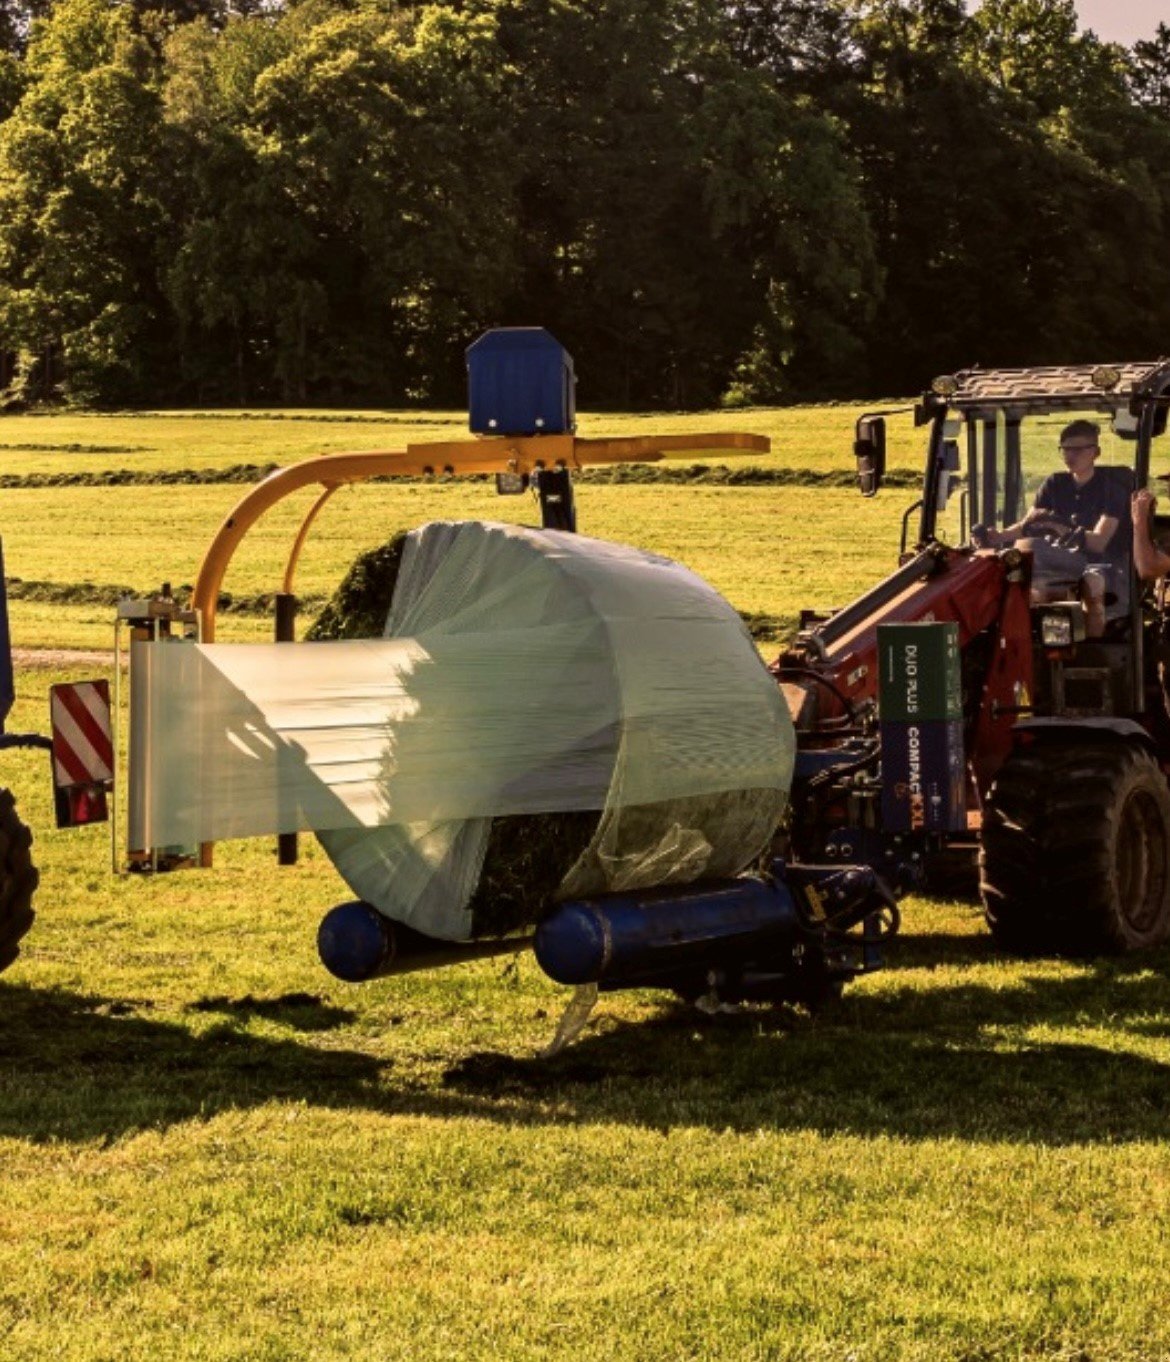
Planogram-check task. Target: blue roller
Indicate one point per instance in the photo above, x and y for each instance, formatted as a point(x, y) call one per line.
point(623, 938)
point(357, 943)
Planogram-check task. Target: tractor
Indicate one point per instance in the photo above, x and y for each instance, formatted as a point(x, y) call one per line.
point(1064, 726)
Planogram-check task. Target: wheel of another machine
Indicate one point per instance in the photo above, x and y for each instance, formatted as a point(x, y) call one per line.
point(1075, 855)
point(18, 880)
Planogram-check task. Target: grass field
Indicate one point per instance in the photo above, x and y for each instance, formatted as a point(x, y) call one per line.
point(749, 541)
point(211, 1150)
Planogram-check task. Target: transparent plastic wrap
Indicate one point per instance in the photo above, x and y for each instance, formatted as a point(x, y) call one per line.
point(595, 716)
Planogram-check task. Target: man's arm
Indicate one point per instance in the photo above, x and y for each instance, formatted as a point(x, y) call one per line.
point(1038, 519)
point(1150, 561)
point(1097, 539)
point(1041, 519)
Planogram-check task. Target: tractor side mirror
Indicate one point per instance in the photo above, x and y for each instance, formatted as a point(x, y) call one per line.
point(1125, 423)
point(869, 448)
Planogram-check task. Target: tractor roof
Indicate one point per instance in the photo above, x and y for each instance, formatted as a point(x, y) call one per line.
point(1066, 387)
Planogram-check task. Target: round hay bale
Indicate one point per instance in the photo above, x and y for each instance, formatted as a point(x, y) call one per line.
point(497, 876)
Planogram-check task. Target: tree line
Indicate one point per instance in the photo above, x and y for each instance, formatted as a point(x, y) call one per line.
point(323, 201)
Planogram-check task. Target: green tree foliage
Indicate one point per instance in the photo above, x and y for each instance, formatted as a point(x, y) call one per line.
point(83, 216)
point(1149, 72)
point(324, 201)
point(350, 220)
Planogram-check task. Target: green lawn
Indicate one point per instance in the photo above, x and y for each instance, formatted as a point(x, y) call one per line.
point(211, 1150)
point(771, 549)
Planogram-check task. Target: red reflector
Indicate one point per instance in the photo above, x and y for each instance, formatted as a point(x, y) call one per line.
point(83, 743)
point(81, 804)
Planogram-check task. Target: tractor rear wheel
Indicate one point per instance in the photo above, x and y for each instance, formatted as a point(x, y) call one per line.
point(18, 880)
point(1075, 854)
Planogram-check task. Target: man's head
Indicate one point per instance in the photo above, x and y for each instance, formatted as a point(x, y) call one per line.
point(1080, 445)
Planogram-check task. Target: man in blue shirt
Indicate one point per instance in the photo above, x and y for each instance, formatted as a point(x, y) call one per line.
point(1078, 530)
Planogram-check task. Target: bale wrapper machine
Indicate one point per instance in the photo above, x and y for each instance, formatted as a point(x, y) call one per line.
point(778, 931)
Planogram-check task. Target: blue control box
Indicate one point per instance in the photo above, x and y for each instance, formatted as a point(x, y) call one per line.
point(521, 382)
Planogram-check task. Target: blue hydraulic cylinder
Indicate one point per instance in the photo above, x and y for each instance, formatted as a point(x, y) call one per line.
point(623, 938)
point(357, 943)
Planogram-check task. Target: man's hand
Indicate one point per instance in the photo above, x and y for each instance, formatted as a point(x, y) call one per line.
point(1148, 558)
point(1040, 519)
point(1142, 506)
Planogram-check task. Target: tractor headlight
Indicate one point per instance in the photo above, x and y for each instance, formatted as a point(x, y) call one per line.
point(1059, 628)
point(1056, 631)
point(946, 385)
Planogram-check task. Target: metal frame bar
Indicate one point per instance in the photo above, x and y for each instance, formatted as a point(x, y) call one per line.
point(523, 455)
point(1012, 471)
point(973, 488)
point(990, 495)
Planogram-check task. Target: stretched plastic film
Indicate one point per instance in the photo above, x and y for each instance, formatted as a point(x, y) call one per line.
point(523, 672)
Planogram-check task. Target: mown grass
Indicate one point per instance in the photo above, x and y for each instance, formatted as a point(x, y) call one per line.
point(767, 549)
point(744, 539)
point(209, 1149)
point(152, 441)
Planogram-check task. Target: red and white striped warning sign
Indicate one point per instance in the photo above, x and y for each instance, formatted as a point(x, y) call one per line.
point(83, 744)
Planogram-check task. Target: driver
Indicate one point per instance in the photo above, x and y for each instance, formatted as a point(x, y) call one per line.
point(1072, 526)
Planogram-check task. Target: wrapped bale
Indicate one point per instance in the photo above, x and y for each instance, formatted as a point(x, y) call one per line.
point(690, 740)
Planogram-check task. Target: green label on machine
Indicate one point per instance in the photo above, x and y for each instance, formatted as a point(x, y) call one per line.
point(919, 675)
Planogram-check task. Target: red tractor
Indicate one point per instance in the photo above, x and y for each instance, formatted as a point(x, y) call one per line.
point(1065, 725)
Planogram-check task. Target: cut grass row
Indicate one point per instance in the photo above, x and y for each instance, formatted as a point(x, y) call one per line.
point(813, 437)
point(764, 547)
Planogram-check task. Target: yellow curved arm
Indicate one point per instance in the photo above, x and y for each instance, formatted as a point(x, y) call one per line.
point(502, 455)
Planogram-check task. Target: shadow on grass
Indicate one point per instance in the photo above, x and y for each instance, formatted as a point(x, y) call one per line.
point(930, 950)
point(969, 1061)
point(81, 1067)
point(301, 1011)
point(977, 1061)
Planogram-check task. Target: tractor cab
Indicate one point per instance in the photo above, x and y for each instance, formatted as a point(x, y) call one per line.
point(1058, 721)
point(995, 441)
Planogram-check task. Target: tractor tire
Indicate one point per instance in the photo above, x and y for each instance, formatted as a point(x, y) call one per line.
point(18, 880)
point(1075, 854)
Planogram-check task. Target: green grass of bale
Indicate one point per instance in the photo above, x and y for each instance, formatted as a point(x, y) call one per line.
point(211, 1150)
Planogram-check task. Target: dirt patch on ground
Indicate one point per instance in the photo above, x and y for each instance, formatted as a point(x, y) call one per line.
point(57, 658)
